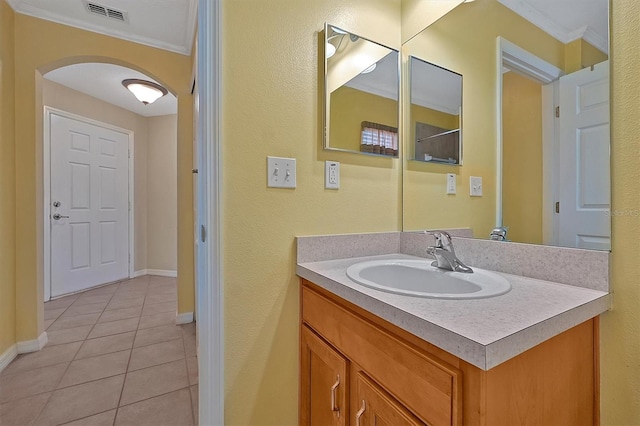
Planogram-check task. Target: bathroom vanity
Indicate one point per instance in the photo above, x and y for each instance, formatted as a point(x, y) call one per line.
point(529, 356)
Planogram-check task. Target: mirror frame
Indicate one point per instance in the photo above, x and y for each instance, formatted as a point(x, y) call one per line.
point(326, 96)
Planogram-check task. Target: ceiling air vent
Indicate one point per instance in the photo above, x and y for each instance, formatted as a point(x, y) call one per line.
point(107, 12)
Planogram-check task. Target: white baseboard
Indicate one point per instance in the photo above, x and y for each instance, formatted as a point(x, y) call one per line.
point(156, 272)
point(33, 345)
point(184, 318)
point(8, 356)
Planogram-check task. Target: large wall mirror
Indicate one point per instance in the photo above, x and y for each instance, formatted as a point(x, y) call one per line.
point(536, 122)
point(361, 94)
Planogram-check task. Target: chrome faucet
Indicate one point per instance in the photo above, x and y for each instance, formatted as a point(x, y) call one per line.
point(499, 233)
point(445, 254)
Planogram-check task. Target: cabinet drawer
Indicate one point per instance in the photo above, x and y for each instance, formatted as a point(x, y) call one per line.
point(427, 386)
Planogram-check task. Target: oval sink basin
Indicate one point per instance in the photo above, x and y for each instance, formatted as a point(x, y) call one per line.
point(418, 278)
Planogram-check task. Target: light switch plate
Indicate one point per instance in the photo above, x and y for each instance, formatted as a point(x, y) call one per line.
point(475, 186)
point(331, 175)
point(281, 172)
point(451, 183)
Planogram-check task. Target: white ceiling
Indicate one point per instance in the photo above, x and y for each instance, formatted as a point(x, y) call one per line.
point(164, 24)
point(104, 81)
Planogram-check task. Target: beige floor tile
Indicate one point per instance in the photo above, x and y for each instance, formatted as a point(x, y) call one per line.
point(87, 300)
point(114, 327)
point(102, 419)
point(107, 289)
point(192, 370)
point(49, 355)
point(74, 321)
point(81, 401)
point(160, 298)
point(91, 308)
point(129, 294)
point(47, 323)
point(53, 313)
point(189, 328)
point(190, 345)
point(63, 302)
point(117, 303)
point(157, 308)
point(150, 336)
point(23, 411)
point(97, 367)
point(32, 382)
point(154, 381)
point(172, 409)
point(68, 335)
point(155, 320)
point(120, 314)
point(160, 353)
point(194, 403)
point(105, 345)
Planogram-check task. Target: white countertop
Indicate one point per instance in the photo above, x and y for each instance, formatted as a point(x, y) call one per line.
point(482, 332)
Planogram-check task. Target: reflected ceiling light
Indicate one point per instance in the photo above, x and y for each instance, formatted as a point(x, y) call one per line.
point(330, 49)
point(369, 69)
point(146, 92)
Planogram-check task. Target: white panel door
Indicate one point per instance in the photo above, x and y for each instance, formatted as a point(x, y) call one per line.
point(89, 205)
point(584, 189)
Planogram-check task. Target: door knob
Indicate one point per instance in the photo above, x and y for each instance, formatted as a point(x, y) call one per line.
point(58, 216)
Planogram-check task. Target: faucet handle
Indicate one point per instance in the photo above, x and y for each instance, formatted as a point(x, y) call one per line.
point(443, 238)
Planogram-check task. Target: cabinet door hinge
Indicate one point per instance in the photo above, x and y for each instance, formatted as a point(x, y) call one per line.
point(557, 206)
point(203, 233)
point(558, 112)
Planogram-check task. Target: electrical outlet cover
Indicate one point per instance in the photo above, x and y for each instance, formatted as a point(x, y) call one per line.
point(331, 175)
point(451, 183)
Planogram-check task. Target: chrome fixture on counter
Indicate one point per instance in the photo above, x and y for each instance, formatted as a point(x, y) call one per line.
point(498, 234)
point(445, 254)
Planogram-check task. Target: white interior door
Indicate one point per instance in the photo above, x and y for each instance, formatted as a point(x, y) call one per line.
point(89, 205)
point(584, 186)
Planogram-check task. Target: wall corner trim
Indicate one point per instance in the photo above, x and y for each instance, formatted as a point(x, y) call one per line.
point(184, 318)
point(33, 345)
point(7, 356)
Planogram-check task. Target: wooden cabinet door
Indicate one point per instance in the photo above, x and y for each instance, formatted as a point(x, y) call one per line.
point(323, 383)
point(377, 408)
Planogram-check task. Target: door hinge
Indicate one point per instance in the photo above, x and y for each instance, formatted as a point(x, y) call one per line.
point(203, 233)
point(558, 112)
point(557, 206)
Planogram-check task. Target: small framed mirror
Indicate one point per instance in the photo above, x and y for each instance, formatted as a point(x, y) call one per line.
point(361, 105)
point(436, 113)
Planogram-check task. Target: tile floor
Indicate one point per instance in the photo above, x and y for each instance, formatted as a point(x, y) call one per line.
point(114, 357)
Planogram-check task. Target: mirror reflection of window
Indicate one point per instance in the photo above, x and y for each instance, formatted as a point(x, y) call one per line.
point(436, 106)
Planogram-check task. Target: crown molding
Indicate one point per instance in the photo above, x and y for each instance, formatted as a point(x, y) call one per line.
point(557, 31)
point(184, 48)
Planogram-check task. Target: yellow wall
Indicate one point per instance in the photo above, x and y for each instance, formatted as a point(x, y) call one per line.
point(43, 46)
point(467, 45)
point(7, 181)
point(350, 107)
point(522, 158)
point(276, 110)
point(620, 328)
point(581, 54)
point(162, 193)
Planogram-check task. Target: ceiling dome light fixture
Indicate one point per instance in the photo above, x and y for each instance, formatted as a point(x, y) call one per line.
point(145, 91)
